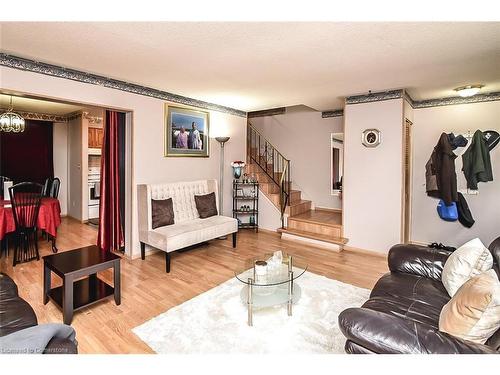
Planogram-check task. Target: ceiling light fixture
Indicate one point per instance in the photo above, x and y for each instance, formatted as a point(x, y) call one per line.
point(11, 121)
point(469, 90)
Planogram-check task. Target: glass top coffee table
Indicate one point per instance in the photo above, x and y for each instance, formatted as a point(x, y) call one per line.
point(270, 280)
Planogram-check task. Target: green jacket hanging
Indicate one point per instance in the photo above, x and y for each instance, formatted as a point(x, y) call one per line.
point(476, 162)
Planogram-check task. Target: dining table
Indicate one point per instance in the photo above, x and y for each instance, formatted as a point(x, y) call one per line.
point(49, 219)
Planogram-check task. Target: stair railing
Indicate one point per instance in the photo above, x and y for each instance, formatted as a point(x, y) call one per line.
point(272, 163)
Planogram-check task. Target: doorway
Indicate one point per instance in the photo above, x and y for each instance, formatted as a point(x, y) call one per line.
point(337, 162)
point(76, 138)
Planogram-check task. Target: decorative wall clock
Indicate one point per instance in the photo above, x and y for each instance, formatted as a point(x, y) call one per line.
point(371, 137)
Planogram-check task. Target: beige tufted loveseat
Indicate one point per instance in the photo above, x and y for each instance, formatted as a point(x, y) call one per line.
point(188, 229)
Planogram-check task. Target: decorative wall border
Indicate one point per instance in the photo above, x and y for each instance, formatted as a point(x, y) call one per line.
point(91, 119)
point(416, 104)
point(21, 63)
point(479, 98)
point(74, 116)
point(333, 113)
point(267, 112)
point(56, 118)
point(39, 116)
point(375, 96)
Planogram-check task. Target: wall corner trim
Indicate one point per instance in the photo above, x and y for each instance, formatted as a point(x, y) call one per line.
point(409, 99)
point(16, 62)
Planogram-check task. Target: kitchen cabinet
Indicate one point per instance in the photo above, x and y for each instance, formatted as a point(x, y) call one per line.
point(96, 136)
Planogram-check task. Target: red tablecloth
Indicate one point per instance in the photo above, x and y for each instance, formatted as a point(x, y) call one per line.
point(49, 217)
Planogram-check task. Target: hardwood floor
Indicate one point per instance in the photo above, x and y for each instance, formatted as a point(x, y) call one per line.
point(148, 291)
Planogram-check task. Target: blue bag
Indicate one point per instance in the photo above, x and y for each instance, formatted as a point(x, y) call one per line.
point(447, 213)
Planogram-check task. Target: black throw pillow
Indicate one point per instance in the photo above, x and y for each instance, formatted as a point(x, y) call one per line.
point(206, 205)
point(163, 212)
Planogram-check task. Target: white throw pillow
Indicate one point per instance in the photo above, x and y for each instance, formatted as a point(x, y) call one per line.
point(469, 260)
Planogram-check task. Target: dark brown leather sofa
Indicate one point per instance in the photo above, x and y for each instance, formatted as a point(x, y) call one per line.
point(16, 314)
point(402, 314)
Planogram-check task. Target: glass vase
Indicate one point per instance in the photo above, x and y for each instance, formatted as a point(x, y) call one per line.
point(237, 172)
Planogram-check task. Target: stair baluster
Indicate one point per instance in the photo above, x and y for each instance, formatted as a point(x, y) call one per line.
point(273, 163)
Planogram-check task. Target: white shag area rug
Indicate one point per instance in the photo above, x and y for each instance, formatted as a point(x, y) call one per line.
point(216, 322)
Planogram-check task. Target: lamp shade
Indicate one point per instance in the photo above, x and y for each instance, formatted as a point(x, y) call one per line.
point(222, 139)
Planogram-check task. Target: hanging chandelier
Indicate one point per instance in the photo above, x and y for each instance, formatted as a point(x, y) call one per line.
point(11, 121)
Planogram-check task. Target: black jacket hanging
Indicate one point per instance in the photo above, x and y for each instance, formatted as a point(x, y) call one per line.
point(464, 214)
point(440, 175)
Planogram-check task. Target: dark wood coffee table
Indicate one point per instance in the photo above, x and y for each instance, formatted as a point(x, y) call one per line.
point(77, 293)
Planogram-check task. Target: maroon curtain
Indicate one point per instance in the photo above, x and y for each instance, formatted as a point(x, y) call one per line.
point(28, 156)
point(110, 235)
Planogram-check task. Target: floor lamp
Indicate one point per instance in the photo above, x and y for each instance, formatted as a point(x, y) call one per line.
point(222, 141)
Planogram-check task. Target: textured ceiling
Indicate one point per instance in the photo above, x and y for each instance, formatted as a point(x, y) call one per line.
point(252, 66)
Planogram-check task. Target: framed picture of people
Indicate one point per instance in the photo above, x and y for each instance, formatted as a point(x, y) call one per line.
point(186, 132)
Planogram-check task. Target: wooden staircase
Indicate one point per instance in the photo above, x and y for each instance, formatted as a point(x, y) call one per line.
point(317, 227)
point(296, 204)
point(320, 227)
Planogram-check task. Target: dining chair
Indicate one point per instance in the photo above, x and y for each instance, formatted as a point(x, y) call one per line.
point(2, 180)
point(4, 246)
point(54, 189)
point(25, 200)
point(46, 187)
point(50, 189)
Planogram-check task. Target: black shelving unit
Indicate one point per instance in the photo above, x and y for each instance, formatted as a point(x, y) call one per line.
point(249, 196)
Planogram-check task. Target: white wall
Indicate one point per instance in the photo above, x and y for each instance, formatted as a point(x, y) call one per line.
point(85, 168)
point(74, 170)
point(148, 163)
point(372, 176)
point(429, 123)
point(303, 136)
point(269, 215)
point(60, 154)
